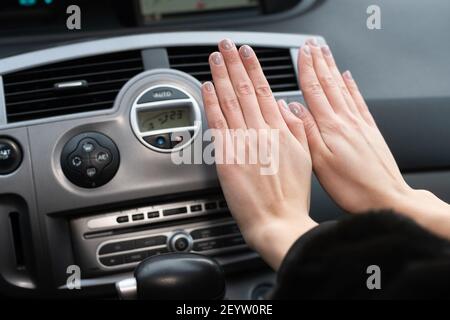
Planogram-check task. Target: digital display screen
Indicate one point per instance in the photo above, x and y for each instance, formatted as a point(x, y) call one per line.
point(156, 9)
point(149, 120)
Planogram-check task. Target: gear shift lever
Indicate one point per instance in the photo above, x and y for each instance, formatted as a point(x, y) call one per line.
point(175, 276)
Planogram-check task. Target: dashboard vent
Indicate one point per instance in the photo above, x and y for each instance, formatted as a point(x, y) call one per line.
point(69, 87)
point(276, 63)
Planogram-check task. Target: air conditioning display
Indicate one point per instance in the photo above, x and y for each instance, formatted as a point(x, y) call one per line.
point(150, 120)
point(156, 9)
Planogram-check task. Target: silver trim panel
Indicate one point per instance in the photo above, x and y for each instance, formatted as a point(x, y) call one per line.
point(3, 119)
point(169, 39)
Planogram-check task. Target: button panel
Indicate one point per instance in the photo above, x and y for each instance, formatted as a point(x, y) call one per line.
point(215, 231)
point(205, 240)
point(158, 213)
point(150, 241)
point(117, 247)
point(90, 160)
point(168, 140)
point(218, 243)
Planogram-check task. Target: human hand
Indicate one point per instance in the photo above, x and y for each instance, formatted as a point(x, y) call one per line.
point(350, 156)
point(270, 209)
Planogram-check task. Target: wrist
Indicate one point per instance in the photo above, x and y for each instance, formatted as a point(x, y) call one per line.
point(273, 239)
point(426, 210)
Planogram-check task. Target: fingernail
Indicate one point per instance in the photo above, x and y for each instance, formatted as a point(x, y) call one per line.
point(208, 86)
point(246, 51)
point(226, 44)
point(284, 104)
point(326, 51)
point(216, 57)
point(348, 75)
point(307, 50)
point(296, 109)
point(312, 41)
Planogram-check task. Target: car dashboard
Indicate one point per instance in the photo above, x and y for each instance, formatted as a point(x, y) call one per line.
point(94, 127)
point(92, 121)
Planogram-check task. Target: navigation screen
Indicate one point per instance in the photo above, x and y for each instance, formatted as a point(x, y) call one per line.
point(156, 9)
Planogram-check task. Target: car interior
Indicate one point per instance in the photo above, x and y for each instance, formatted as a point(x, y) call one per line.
point(96, 97)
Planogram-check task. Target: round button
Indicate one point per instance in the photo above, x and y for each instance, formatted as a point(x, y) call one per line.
point(181, 242)
point(76, 161)
point(160, 141)
point(10, 156)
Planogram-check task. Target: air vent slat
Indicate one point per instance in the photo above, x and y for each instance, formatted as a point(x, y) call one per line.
point(276, 62)
point(51, 90)
point(73, 107)
point(209, 50)
point(68, 77)
point(62, 100)
point(31, 94)
point(280, 76)
point(284, 87)
point(189, 65)
point(77, 67)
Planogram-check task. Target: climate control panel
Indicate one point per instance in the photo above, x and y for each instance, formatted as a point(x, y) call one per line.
point(90, 160)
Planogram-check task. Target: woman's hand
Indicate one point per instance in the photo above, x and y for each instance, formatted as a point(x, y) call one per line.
point(350, 156)
point(270, 207)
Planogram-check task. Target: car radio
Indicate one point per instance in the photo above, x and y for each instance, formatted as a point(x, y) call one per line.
point(119, 240)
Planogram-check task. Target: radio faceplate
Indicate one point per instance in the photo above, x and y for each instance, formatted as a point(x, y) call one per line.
point(120, 240)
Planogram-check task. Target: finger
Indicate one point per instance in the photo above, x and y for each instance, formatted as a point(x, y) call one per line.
point(217, 123)
point(264, 94)
point(328, 56)
point(326, 79)
point(358, 98)
point(214, 115)
point(243, 87)
point(294, 124)
point(316, 143)
point(311, 88)
point(228, 101)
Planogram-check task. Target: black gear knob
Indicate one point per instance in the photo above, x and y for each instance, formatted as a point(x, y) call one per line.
point(175, 276)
